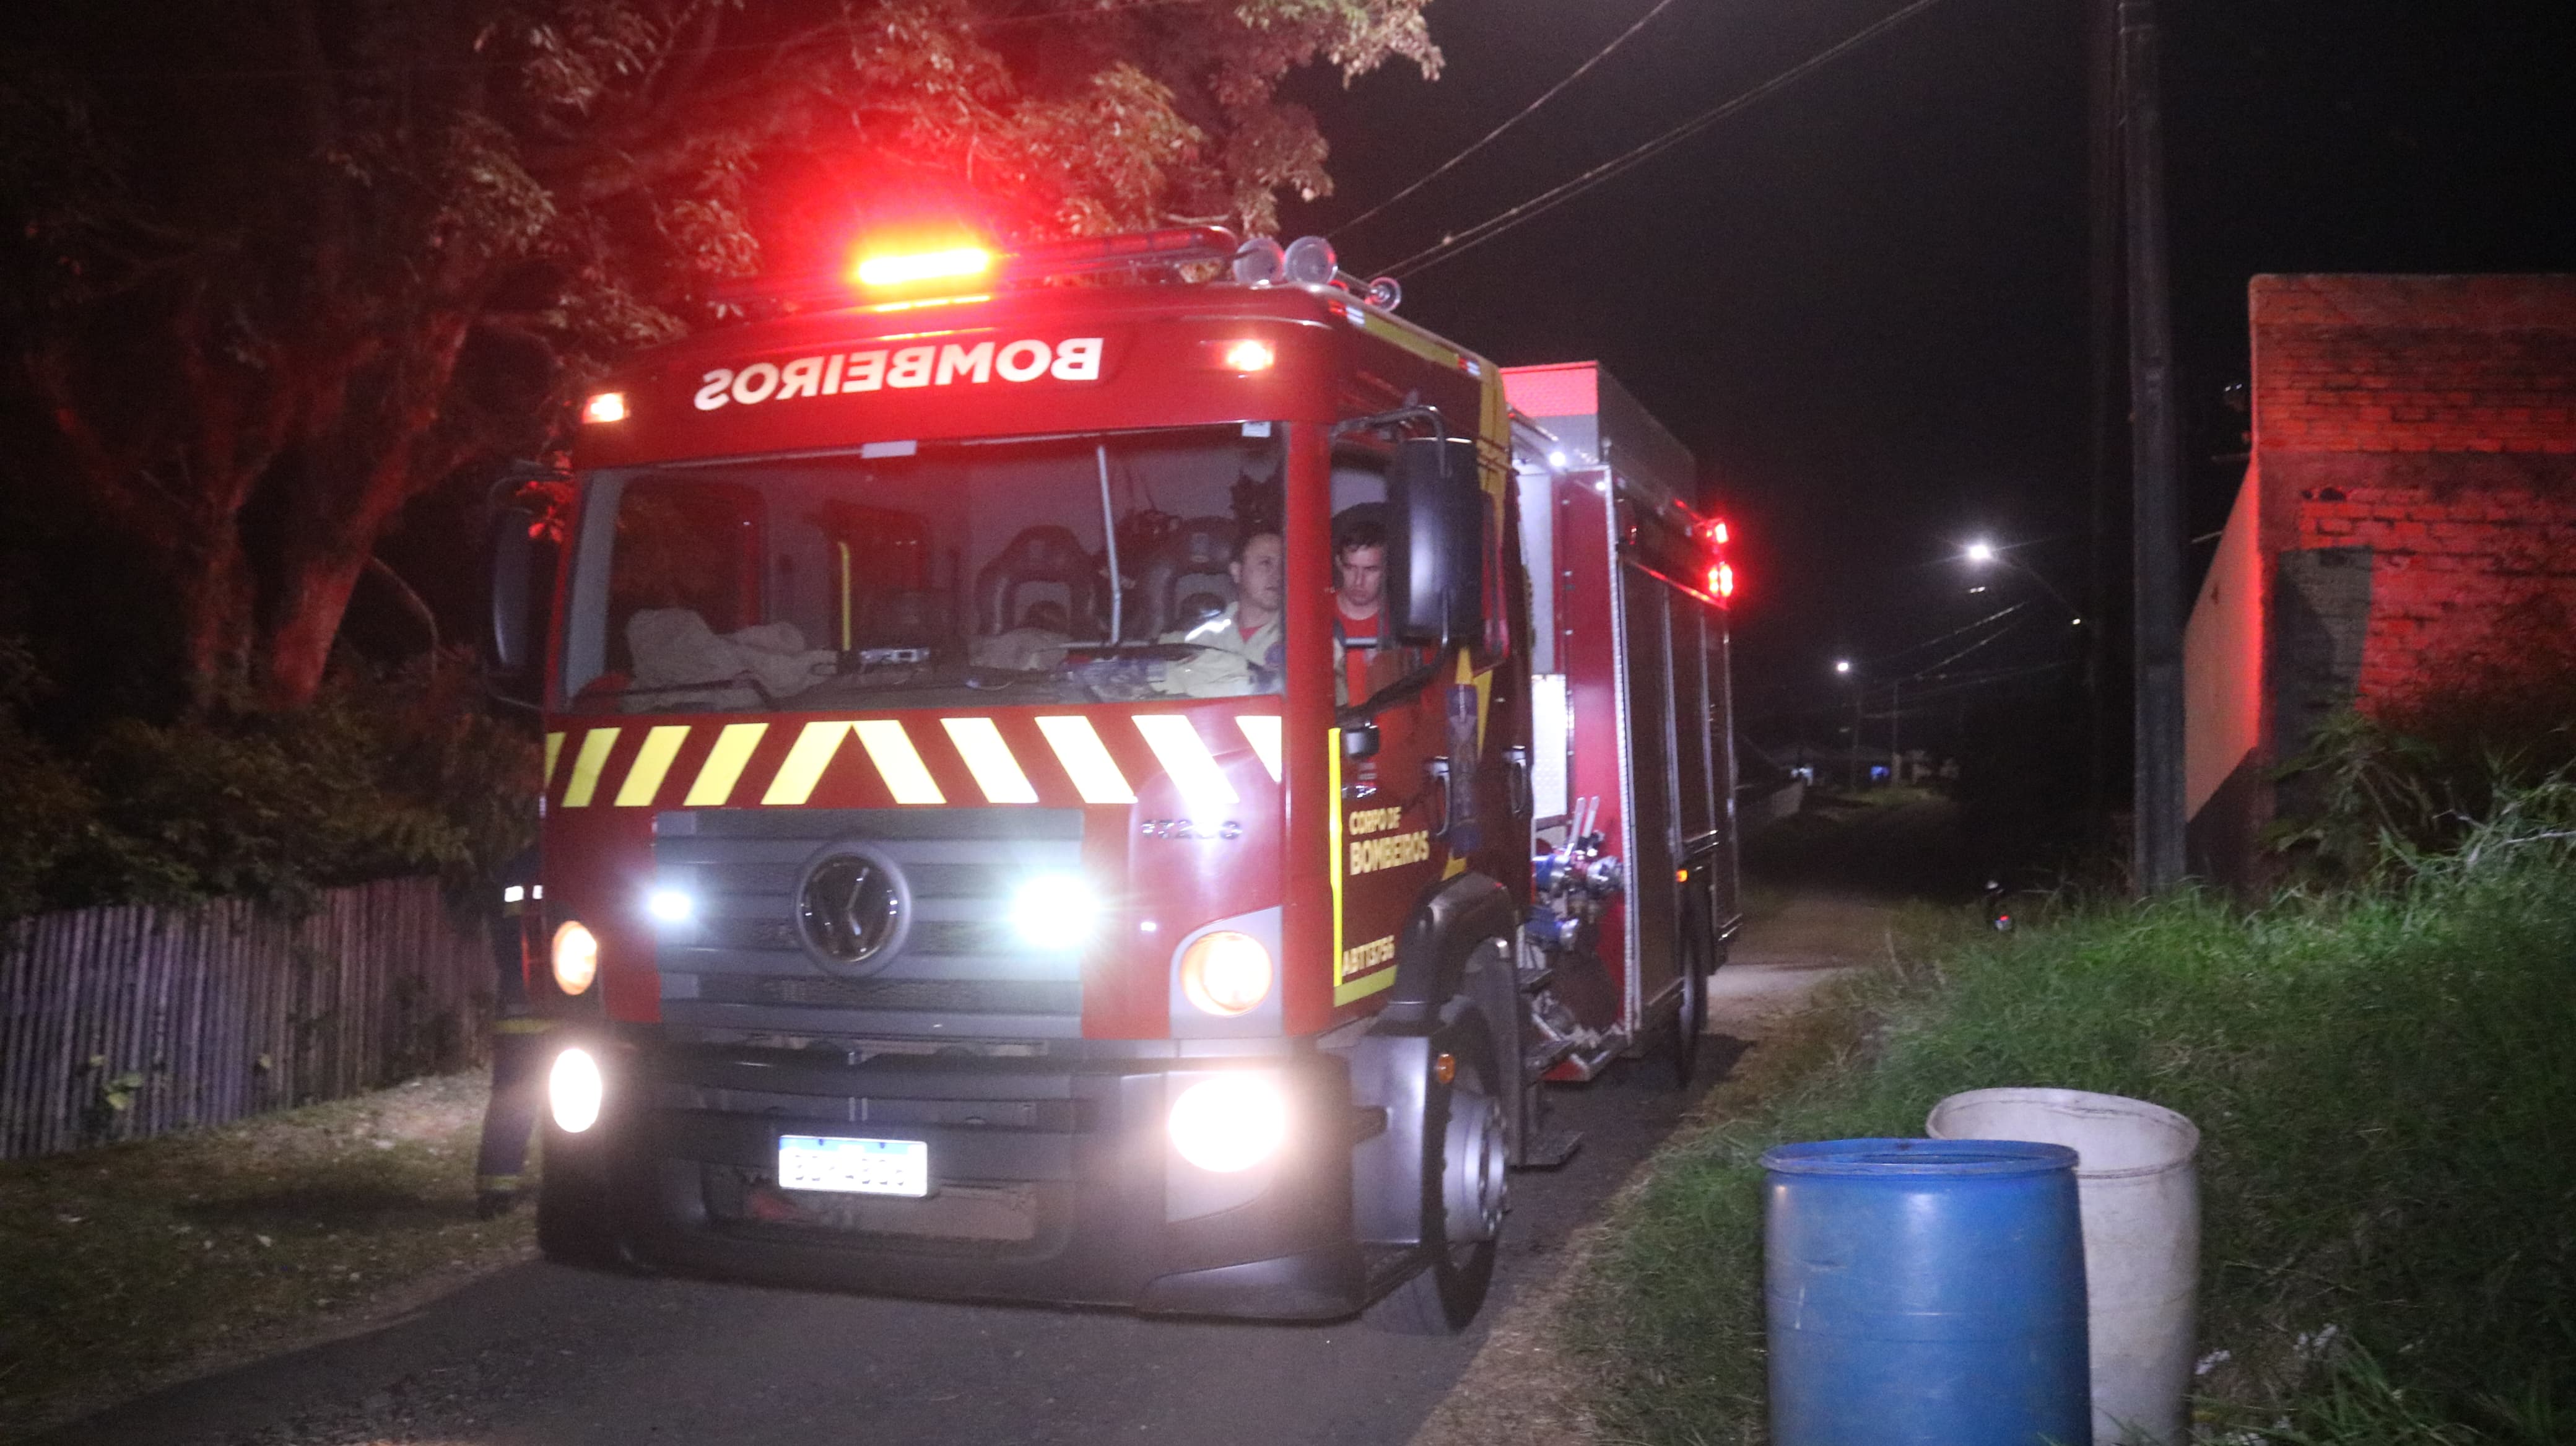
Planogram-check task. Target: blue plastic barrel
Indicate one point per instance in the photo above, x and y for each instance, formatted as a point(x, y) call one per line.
point(1925, 1293)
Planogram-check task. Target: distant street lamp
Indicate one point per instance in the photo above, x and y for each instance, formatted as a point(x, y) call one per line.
point(1980, 552)
point(1843, 669)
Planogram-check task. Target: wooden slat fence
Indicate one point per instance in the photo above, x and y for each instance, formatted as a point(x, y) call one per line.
point(122, 1023)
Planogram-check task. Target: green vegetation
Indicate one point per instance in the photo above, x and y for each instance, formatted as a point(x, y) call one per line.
point(381, 776)
point(2388, 1173)
point(127, 1263)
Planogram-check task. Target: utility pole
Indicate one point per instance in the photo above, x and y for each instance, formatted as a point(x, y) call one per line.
point(1895, 722)
point(2105, 401)
point(1860, 710)
point(2154, 458)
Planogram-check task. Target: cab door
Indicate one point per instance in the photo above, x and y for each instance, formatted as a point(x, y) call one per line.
point(1390, 794)
point(1421, 781)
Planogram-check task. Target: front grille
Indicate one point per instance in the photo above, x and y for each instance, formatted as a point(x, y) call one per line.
point(1058, 1115)
point(959, 970)
point(929, 936)
point(956, 996)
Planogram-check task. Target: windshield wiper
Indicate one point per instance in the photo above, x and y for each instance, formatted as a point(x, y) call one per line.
point(1168, 652)
point(712, 685)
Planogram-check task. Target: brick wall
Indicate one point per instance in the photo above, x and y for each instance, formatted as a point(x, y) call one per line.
point(2430, 420)
point(2408, 521)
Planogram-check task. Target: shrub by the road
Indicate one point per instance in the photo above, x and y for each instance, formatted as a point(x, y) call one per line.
point(2388, 1168)
point(402, 773)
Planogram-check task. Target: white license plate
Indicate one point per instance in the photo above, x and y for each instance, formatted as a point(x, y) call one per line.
point(857, 1167)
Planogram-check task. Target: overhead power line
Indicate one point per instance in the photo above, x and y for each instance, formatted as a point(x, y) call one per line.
point(1941, 688)
point(1458, 243)
point(1930, 669)
point(1488, 138)
point(1935, 641)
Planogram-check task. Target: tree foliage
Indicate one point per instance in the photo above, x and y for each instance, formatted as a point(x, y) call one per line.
point(382, 774)
point(278, 269)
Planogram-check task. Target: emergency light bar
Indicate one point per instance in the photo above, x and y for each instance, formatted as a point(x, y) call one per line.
point(953, 264)
point(1172, 246)
point(911, 276)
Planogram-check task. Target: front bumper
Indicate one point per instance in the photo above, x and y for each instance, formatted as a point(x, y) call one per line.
point(1052, 1177)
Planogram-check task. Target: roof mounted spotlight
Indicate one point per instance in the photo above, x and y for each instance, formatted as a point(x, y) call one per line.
point(1311, 262)
point(1260, 261)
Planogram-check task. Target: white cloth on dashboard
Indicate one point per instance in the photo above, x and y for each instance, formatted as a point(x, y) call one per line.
point(674, 647)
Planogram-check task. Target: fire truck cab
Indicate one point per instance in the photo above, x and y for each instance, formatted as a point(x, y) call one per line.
point(1110, 793)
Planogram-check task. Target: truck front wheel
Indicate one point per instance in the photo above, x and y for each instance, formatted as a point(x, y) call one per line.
point(574, 1223)
point(1466, 1156)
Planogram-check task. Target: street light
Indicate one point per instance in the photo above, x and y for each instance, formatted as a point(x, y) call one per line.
point(1843, 670)
point(1980, 552)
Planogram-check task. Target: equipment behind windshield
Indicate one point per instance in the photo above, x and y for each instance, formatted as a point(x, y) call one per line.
point(954, 574)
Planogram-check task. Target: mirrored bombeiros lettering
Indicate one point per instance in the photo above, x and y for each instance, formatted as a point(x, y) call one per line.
point(927, 364)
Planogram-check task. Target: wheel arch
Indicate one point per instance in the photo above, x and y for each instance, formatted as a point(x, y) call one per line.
point(1438, 945)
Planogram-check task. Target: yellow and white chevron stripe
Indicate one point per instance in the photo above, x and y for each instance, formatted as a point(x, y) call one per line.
point(915, 760)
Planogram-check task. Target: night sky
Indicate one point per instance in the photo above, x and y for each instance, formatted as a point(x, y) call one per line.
point(1863, 303)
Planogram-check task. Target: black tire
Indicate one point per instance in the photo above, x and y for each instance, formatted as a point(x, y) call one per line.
point(1695, 955)
point(1465, 1168)
point(1690, 1021)
point(575, 1225)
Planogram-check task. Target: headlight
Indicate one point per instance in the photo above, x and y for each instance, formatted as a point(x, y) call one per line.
point(668, 905)
point(574, 1089)
point(1229, 1123)
point(576, 958)
point(1054, 911)
point(1225, 972)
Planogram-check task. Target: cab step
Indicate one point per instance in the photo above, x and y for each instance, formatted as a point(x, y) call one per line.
point(1551, 1149)
point(1543, 1056)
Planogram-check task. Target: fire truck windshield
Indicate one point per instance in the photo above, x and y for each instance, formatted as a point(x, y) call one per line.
point(933, 575)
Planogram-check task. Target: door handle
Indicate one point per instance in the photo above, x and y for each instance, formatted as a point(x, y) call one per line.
point(1524, 800)
point(1437, 771)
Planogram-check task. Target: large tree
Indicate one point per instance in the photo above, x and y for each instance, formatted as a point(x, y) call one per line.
point(283, 266)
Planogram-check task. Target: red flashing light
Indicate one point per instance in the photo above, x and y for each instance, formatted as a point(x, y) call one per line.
point(1245, 354)
point(1717, 532)
point(1721, 579)
point(605, 407)
point(901, 269)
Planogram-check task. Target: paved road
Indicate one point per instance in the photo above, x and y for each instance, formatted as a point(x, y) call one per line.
point(543, 1354)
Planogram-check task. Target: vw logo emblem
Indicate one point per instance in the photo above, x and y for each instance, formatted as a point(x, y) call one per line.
point(851, 909)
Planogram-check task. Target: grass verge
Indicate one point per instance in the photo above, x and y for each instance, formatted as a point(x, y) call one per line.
point(2388, 1170)
point(135, 1264)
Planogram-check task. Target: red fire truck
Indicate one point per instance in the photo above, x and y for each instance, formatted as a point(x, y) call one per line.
point(994, 843)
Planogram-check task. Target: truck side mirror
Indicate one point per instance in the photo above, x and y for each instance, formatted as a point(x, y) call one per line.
point(514, 566)
point(1435, 542)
